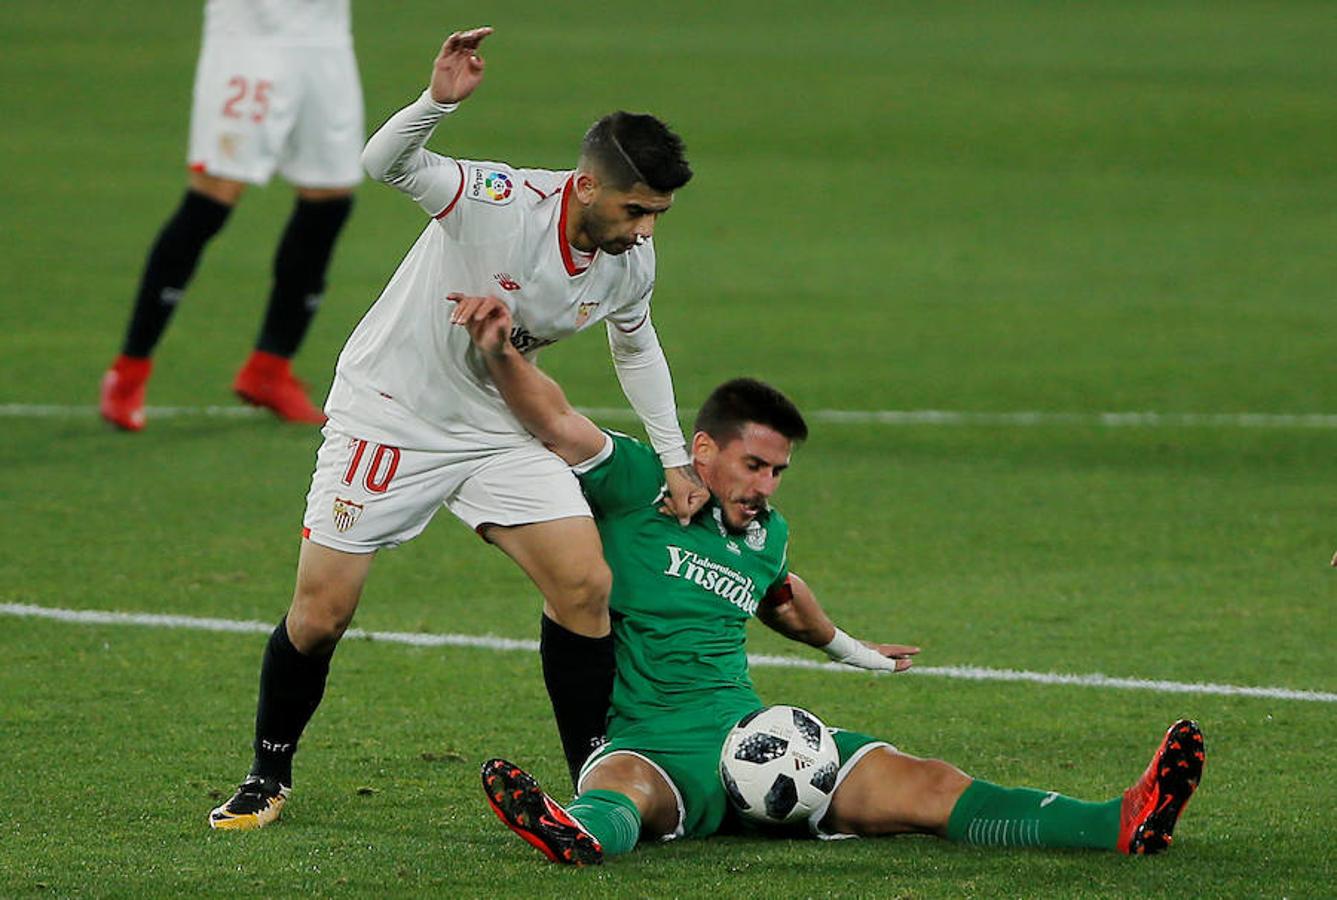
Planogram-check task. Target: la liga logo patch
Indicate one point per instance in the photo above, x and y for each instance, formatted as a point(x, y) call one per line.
point(487, 185)
point(498, 186)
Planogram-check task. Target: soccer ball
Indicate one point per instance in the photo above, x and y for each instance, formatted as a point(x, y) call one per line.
point(778, 765)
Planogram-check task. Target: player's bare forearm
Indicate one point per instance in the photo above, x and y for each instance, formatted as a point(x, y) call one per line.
point(536, 400)
point(794, 612)
point(541, 406)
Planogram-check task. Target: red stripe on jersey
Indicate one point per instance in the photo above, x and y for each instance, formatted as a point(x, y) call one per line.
point(306, 533)
point(445, 212)
point(542, 196)
point(197, 167)
point(637, 326)
point(571, 268)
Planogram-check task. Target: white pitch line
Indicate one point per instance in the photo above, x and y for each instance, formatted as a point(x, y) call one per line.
point(958, 418)
point(489, 642)
point(58, 411)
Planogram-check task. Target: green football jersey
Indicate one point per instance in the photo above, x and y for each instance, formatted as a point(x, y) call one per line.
point(681, 597)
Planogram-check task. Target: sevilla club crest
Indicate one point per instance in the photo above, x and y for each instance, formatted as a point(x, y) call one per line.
point(346, 513)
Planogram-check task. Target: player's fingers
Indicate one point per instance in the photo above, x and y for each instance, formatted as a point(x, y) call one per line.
point(903, 664)
point(475, 36)
point(483, 310)
point(464, 307)
point(468, 41)
point(695, 501)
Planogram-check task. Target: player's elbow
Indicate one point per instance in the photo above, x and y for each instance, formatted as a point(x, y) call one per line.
point(373, 163)
point(380, 166)
point(560, 434)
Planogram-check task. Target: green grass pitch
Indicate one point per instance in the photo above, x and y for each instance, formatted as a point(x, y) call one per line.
point(975, 207)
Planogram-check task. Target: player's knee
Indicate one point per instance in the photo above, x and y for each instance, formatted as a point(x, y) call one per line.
point(221, 190)
point(318, 619)
point(944, 781)
point(582, 591)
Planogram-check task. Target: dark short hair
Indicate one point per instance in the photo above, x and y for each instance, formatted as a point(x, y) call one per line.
point(732, 405)
point(635, 147)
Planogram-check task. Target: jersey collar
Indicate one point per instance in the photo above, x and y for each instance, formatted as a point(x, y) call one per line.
point(572, 267)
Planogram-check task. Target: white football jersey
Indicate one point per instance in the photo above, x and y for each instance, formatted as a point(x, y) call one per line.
point(409, 378)
point(304, 22)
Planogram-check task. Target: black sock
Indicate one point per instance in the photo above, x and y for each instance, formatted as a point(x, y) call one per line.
point(291, 685)
point(170, 265)
point(578, 671)
point(299, 272)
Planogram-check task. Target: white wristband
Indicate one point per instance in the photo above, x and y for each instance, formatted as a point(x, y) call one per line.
point(845, 649)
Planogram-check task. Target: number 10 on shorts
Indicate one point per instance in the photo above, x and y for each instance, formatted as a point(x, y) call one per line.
point(380, 465)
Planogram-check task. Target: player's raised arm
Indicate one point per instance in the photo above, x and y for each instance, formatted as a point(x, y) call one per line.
point(395, 154)
point(535, 399)
point(792, 609)
point(643, 372)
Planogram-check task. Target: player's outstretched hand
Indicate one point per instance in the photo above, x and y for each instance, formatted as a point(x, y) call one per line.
point(870, 655)
point(686, 494)
point(899, 655)
point(487, 319)
point(458, 69)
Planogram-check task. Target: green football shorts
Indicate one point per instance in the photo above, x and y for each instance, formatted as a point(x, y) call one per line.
point(689, 760)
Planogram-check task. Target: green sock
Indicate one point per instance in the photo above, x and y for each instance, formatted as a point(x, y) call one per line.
point(994, 816)
point(611, 817)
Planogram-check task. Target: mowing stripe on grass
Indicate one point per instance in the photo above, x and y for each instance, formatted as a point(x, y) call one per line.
point(488, 642)
point(1324, 421)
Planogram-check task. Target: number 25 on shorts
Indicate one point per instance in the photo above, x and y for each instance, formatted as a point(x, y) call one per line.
point(237, 106)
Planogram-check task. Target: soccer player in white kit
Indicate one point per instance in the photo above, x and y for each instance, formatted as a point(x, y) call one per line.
point(276, 89)
point(415, 422)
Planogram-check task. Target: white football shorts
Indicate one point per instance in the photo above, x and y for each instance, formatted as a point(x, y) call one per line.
point(261, 107)
point(366, 496)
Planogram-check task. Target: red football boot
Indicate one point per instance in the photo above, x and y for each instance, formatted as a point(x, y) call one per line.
point(1152, 806)
point(267, 380)
point(122, 401)
point(522, 805)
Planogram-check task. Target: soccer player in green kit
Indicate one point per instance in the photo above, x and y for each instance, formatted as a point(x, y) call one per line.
point(681, 600)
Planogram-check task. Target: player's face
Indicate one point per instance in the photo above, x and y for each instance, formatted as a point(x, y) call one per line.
point(615, 220)
point(743, 473)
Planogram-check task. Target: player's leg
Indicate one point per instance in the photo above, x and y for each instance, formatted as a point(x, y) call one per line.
point(297, 657)
point(621, 795)
point(888, 792)
point(564, 558)
point(232, 126)
point(526, 501)
point(321, 157)
point(171, 263)
point(363, 496)
point(300, 264)
point(293, 672)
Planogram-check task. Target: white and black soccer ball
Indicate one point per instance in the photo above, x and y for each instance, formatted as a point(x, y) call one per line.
point(779, 764)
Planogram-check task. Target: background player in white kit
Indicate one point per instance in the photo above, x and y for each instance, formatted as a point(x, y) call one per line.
point(276, 88)
point(415, 422)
